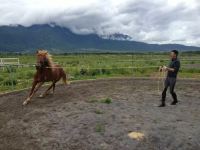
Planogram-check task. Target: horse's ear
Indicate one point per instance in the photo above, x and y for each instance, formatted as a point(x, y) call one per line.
point(45, 52)
point(39, 52)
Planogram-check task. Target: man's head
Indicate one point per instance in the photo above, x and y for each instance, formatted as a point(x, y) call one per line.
point(174, 54)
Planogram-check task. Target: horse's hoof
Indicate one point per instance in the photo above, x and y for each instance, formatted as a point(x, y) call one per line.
point(25, 103)
point(41, 96)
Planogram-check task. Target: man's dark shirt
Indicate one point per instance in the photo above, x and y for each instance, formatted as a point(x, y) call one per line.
point(175, 64)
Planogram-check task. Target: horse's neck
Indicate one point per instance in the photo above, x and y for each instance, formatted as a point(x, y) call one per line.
point(51, 65)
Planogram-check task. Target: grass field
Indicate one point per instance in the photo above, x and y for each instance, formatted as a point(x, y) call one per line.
point(93, 66)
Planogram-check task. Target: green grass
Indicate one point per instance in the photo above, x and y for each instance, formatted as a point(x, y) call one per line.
point(98, 112)
point(95, 66)
point(100, 128)
point(106, 100)
point(92, 101)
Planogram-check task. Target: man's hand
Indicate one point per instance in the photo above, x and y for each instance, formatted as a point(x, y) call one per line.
point(168, 69)
point(162, 68)
point(171, 69)
point(165, 68)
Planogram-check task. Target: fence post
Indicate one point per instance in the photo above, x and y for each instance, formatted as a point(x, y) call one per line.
point(100, 67)
point(132, 66)
point(3, 64)
point(10, 76)
point(18, 63)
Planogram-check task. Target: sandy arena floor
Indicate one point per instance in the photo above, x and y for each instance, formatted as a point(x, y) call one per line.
point(75, 118)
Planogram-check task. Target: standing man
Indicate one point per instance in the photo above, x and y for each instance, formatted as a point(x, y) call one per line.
point(170, 81)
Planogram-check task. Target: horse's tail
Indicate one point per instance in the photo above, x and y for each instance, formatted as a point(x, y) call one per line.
point(64, 78)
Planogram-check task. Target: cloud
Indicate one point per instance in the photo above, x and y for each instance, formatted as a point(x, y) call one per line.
point(155, 21)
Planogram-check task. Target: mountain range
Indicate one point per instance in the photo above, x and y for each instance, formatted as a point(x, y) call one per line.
point(62, 40)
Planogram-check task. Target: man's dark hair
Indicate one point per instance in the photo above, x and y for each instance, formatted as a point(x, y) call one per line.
point(175, 51)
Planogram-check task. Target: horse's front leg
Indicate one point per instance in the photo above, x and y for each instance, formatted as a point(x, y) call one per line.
point(34, 89)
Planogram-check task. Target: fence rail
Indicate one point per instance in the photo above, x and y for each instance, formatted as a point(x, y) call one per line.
point(9, 61)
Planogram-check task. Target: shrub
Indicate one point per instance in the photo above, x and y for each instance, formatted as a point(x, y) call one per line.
point(105, 71)
point(10, 69)
point(95, 72)
point(83, 72)
point(10, 82)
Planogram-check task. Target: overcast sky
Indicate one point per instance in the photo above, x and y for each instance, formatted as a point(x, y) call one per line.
point(152, 21)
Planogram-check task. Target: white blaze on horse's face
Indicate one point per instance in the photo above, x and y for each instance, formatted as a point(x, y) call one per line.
point(41, 56)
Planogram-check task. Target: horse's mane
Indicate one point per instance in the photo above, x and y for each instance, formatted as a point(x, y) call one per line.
point(45, 54)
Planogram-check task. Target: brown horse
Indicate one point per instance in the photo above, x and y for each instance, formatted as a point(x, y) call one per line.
point(46, 71)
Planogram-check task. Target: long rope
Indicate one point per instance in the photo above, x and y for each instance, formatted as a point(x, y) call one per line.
point(161, 76)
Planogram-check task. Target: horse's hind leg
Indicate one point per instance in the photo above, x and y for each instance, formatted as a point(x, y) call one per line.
point(54, 86)
point(46, 92)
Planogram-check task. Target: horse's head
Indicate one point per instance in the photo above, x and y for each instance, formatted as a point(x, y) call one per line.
point(43, 59)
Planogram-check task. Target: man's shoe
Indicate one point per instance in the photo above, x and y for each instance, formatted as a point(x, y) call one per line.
point(174, 102)
point(162, 105)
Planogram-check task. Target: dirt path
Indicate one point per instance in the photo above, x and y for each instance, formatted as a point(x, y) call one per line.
point(76, 118)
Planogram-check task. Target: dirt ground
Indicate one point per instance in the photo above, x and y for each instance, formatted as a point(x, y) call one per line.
point(76, 118)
